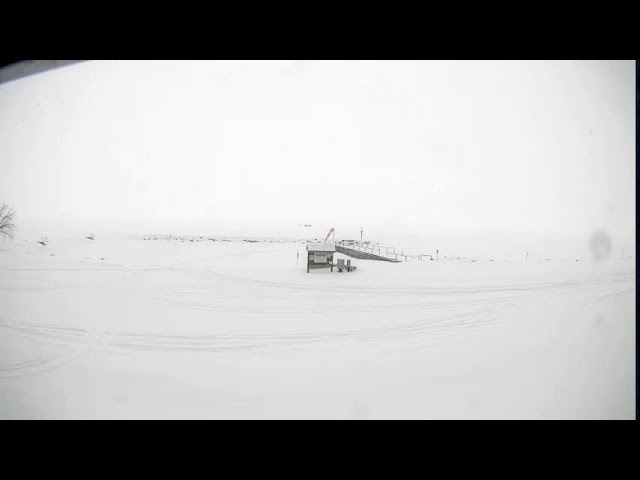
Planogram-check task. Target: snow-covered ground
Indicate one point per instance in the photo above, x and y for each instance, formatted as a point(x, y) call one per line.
point(122, 327)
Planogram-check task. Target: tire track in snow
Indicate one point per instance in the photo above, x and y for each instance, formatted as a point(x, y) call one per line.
point(429, 329)
point(73, 344)
point(36, 366)
point(338, 308)
point(426, 330)
point(68, 336)
point(399, 336)
point(595, 280)
point(237, 301)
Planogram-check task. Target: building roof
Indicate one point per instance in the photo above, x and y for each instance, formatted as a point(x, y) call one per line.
point(321, 247)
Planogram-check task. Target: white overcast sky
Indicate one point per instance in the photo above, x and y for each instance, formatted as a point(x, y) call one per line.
point(533, 149)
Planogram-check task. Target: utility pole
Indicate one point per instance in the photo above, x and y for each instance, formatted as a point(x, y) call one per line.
point(360, 233)
point(527, 259)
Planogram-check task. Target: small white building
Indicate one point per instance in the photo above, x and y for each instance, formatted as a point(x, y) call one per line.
point(320, 255)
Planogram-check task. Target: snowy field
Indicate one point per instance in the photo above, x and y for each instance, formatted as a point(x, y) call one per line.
point(122, 327)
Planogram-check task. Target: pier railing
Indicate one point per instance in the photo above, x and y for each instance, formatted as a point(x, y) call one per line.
point(383, 251)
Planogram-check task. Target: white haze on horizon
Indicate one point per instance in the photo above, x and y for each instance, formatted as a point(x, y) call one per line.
point(472, 157)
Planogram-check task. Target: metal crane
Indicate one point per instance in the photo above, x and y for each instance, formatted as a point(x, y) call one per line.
point(329, 234)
